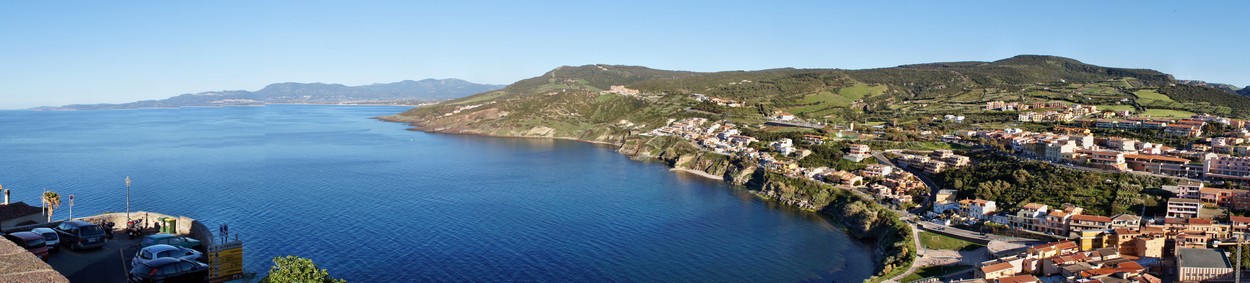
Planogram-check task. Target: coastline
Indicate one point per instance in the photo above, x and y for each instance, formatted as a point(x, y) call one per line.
point(419, 129)
point(879, 250)
point(699, 173)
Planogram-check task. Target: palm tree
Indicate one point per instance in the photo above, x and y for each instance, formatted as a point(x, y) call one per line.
point(51, 201)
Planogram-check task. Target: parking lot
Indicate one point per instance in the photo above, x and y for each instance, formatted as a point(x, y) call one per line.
point(107, 264)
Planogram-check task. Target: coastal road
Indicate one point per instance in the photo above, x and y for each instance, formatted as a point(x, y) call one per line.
point(973, 234)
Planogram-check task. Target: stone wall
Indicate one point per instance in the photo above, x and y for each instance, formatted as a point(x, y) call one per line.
point(185, 226)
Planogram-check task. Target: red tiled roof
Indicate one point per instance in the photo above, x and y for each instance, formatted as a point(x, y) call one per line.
point(1199, 221)
point(1095, 218)
point(1239, 219)
point(1019, 279)
point(996, 267)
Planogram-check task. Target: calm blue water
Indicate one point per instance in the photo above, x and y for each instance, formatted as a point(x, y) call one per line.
point(372, 202)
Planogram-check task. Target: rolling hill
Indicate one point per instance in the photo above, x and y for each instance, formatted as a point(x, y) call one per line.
point(576, 102)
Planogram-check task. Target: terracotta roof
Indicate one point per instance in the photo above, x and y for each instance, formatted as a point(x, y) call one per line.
point(1033, 206)
point(17, 209)
point(1130, 265)
point(1065, 245)
point(1239, 219)
point(996, 267)
point(1019, 279)
point(1199, 221)
point(1095, 218)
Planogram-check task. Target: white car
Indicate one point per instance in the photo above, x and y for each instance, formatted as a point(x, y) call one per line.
point(158, 251)
point(50, 238)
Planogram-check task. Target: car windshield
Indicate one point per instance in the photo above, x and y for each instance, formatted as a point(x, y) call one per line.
point(88, 231)
point(49, 236)
point(34, 243)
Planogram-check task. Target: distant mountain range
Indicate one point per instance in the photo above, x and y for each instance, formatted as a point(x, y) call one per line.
point(1224, 87)
point(404, 92)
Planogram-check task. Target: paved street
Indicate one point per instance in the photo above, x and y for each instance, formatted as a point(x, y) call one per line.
point(107, 264)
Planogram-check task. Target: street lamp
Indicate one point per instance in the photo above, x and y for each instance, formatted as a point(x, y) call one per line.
point(127, 199)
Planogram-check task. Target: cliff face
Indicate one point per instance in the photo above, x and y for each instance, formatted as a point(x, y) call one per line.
point(862, 217)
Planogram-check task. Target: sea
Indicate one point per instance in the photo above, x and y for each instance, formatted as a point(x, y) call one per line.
point(371, 201)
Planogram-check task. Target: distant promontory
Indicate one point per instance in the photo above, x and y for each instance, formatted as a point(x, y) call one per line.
point(406, 92)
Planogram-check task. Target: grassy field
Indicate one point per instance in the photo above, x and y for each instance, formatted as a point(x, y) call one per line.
point(1116, 108)
point(1146, 96)
point(481, 98)
point(932, 271)
point(859, 91)
point(936, 241)
point(1168, 113)
point(825, 99)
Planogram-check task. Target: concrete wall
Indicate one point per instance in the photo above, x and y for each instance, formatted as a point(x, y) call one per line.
point(1198, 274)
point(12, 223)
point(185, 226)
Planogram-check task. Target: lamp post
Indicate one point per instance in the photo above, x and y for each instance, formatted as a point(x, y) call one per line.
point(127, 199)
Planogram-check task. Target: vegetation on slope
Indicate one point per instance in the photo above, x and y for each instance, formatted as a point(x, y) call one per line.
point(1013, 182)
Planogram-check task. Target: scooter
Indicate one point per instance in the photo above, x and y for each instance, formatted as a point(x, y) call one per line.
point(133, 229)
point(108, 226)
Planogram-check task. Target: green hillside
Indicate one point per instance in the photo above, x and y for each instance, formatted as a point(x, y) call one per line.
point(572, 102)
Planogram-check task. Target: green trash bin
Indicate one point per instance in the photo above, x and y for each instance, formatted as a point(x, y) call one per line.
point(169, 225)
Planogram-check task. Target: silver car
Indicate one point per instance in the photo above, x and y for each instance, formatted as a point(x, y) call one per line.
point(49, 237)
point(158, 251)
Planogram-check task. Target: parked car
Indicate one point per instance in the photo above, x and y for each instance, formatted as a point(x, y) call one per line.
point(32, 242)
point(168, 270)
point(50, 237)
point(150, 253)
point(78, 234)
point(167, 239)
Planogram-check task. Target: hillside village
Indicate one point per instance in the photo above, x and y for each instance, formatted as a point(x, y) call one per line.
point(901, 135)
point(1086, 247)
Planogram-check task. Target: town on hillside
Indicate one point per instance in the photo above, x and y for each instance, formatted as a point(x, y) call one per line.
point(1191, 234)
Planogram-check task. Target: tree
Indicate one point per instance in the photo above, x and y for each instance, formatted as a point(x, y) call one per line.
point(294, 269)
point(51, 201)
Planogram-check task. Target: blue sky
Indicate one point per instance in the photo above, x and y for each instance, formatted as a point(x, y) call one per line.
point(54, 53)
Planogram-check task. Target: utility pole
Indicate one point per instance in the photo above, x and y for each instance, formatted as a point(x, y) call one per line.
point(1237, 275)
point(127, 200)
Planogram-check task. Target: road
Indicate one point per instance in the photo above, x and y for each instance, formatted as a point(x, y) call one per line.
point(107, 264)
point(933, 187)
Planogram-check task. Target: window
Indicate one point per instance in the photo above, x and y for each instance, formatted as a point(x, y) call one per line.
point(169, 269)
point(164, 254)
point(186, 266)
point(145, 254)
point(35, 243)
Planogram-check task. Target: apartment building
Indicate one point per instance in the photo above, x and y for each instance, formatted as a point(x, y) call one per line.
point(1183, 208)
point(1228, 168)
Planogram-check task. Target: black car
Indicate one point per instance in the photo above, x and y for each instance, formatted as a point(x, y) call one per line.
point(77, 234)
point(169, 269)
